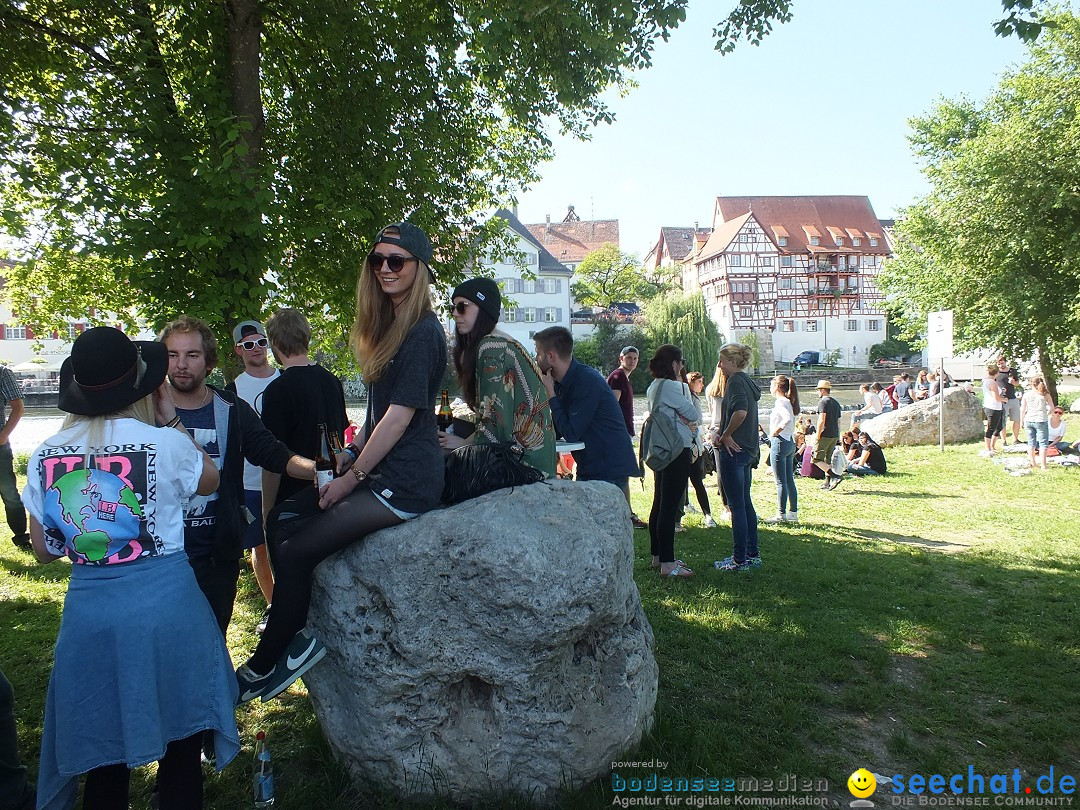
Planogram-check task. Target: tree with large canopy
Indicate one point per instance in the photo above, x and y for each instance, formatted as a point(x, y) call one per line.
point(210, 156)
point(997, 239)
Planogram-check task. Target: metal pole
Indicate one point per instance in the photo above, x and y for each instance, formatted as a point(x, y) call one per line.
point(941, 404)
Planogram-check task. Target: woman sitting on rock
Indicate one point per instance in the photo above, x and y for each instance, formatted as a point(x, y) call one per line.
point(397, 466)
point(499, 379)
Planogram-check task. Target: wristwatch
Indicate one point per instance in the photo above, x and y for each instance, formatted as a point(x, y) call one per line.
point(360, 474)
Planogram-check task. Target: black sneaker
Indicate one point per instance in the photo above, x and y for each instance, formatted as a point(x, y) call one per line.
point(835, 482)
point(304, 652)
point(22, 541)
point(260, 628)
point(249, 684)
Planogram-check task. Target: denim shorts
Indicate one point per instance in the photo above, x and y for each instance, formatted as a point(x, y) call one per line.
point(1038, 434)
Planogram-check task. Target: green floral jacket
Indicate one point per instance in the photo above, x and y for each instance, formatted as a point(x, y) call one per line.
point(513, 405)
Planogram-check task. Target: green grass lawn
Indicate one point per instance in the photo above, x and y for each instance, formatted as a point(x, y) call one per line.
point(921, 622)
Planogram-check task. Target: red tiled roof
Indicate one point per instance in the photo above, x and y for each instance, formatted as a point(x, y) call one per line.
point(573, 241)
point(721, 236)
point(800, 215)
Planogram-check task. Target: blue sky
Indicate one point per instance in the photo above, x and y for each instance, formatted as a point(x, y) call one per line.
point(821, 107)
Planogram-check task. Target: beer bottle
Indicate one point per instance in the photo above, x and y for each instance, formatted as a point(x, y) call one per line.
point(335, 445)
point(324, 459)
point(445, 416)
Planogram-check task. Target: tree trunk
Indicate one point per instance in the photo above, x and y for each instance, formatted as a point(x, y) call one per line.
point(245, 54)
point(1049, 372)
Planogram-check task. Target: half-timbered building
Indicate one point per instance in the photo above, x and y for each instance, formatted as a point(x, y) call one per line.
point(799, 272)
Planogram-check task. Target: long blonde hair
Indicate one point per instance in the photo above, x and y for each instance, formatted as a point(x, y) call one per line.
point(378, 332)
point(715, 387)
point(142, 410)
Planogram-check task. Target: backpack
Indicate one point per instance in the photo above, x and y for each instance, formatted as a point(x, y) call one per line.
point(660, 440)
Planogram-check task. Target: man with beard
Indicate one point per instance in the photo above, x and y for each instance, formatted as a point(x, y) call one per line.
point(230, 431)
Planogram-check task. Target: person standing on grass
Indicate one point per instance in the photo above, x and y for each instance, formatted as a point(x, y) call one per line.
point(619, 382)
point(669, 396)
point(140, 670)
point(782, 451)
point(994, 400)
point(696, 383)
point(714, 394)
point(1008, 378)
point(739, 454)
point(11, 397)
point(1035, 416)
point(250, 345)
point(828, 433)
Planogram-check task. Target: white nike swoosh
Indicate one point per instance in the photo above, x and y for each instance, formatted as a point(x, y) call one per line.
point(293, 663)
point(250, 694)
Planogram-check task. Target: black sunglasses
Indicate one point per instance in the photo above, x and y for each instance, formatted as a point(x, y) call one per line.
point(460, 307)
point(394, 262)
point(251, 344)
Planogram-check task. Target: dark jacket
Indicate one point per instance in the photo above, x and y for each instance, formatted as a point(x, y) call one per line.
point(741, 393)
point(247, 438)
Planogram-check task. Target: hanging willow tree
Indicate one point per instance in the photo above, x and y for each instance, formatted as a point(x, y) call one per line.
point(682, 320)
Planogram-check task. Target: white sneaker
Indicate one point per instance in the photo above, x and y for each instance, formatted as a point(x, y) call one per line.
point(692, 509)
point(679, 527)
point(791, 517)
point(778, 518)
point(727, 515)
point(709, 522)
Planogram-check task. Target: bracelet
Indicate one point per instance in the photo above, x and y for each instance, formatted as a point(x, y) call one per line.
point(350, 448)
point(173, 422)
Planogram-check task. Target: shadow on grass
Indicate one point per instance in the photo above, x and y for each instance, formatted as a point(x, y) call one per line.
point(32, 569)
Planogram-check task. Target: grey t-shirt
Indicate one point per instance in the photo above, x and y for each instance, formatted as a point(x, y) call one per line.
point(410, 477)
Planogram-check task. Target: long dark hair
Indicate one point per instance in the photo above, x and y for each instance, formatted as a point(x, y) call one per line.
point(465, 350)
point(660, 366)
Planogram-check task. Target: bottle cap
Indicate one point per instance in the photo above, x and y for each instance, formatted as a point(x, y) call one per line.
point(261, 735)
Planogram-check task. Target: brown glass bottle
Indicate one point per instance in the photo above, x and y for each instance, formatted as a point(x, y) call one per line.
point(324, 459)
point(445, 416)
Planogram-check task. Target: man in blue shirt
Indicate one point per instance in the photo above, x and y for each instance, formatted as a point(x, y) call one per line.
point(585, 410)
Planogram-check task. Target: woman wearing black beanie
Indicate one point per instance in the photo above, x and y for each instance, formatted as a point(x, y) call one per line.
point(499, 379)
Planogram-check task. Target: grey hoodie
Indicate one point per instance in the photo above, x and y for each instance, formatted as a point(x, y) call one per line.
point(742, 394)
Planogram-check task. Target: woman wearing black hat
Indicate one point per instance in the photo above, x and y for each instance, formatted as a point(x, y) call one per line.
point(140, 667)
point(499, 379)
point(397, 466)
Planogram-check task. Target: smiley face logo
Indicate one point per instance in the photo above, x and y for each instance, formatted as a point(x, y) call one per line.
point(861, 783)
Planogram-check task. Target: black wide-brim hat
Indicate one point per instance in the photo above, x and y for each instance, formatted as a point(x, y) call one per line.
point(108, 371)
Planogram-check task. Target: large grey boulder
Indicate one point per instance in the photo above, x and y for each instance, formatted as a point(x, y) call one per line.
point(498, 645)
point(918, 423)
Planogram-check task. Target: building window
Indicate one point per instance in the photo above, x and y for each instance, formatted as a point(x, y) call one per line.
point(811, 326)
point(766, 261)
point(530, 315)
point(746, 312)
point(550, 315)
point(785, 304)
point(873, 241)
point(851, 325)
point(14, 333)
point(735, 260)
point(787, 261)
point(873, 325)
point(72, 332)
point(814, 240)
point(787, 326)
point(839, 241)
point(787, 283)
point(528, 286)
point(551, 285)
point(782, 241)
point(856, 241)
point(509, 314)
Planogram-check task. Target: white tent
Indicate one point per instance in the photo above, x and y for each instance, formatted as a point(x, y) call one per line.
point(38, 368)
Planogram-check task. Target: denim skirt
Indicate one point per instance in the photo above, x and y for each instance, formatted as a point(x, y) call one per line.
point(139, 662)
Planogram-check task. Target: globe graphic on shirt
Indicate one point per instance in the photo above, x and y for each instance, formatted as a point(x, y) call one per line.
point(96, 512)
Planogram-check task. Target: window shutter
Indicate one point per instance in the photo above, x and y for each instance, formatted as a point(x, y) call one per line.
point(558, 314)
point(519, 285)
point(558, 285)
point(518, 315)
point(29, 333)
point(3, 331)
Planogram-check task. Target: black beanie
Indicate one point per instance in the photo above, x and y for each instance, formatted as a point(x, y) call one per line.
point(483, 292)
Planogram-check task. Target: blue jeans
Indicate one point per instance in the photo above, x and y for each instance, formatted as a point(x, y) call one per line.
point(9, 492)
point(737, 474)
point(782, 457)
point(1038, 434)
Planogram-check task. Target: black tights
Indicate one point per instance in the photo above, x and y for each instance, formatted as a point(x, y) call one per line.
point(669, 487)
point(179, 780)
point(697, 479)
point(299, 537)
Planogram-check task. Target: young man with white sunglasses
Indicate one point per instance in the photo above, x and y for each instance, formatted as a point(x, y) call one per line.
point(252, 347)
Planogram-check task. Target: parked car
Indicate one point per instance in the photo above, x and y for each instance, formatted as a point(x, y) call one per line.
point(883, 362)
point(806, 358)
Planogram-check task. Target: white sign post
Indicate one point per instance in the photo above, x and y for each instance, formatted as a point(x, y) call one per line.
point(939, 346)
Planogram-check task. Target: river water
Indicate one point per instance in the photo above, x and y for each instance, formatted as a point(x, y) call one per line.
point(38, 424)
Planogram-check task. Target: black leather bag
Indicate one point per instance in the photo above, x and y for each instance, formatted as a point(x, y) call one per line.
point(477, 469)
